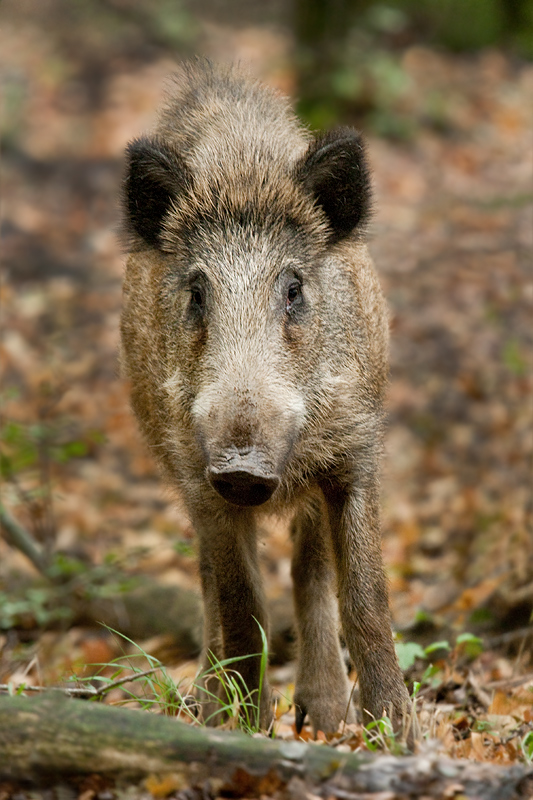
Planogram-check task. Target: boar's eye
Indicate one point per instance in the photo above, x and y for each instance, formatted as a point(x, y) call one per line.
point(294, 295)
point(197, 297)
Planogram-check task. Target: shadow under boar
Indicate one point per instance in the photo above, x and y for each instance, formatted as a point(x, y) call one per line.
point(254, 334)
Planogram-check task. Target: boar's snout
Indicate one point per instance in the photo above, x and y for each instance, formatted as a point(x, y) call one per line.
point(243, 484)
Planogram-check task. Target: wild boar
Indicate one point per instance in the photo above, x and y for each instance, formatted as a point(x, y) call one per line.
point(255, 336)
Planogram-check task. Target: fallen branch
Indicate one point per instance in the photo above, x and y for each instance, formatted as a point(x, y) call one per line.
point(510, 683)
point(17, 536)
point(83, 692)
point(51, 736)
point(494, 642)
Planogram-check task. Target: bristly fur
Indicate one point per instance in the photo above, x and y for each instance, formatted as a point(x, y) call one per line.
point(215, 113)
point(254, 334)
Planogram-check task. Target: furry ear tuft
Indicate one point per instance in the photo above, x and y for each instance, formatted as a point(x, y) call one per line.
point(155, 175)
point(335, 171)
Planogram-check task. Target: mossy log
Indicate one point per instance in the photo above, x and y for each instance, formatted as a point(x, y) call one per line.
point(52, 737)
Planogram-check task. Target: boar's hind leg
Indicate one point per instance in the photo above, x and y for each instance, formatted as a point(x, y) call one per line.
point(322, 686)
point(233, 601)
point(363, 601)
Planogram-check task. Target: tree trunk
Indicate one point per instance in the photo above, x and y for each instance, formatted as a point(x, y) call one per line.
point(321, 28)
point(54, 737)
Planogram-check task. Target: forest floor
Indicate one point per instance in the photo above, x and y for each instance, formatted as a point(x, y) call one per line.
point(452, 238)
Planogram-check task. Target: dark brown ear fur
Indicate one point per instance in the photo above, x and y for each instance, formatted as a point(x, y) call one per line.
point(155, 175)
point(335, 171)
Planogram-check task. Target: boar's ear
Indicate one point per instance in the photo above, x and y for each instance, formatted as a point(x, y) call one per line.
point(336, 172)
point(155, 175)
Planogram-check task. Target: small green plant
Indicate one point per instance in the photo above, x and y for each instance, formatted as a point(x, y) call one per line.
point(51, 599)
point(380, 735)
point(30, 454)
point(236, 701)
point(36, 606)
point(466, 644)
point(408, 652)
point(184, 548)
point(262, 668)
point(482, 726)
point(158, 689)
point(526, 745)
point(469, 645)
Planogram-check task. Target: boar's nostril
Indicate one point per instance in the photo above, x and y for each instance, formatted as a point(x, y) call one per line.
point(243, 488)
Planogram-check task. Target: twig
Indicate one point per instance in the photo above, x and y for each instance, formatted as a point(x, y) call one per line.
point(105, 688)
point(507, 638)
point(73, 691)
point(481, 696)
point(17, 536)
point(79, 691)
point(510, 683)
point(520, 595)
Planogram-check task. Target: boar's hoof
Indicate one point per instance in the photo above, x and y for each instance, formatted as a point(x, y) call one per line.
point(243, 488)
point(300, 716)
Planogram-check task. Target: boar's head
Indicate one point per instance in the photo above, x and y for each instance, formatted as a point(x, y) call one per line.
point(223, 321)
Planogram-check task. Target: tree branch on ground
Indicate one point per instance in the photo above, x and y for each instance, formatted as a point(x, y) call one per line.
point(54, 736)
point(83, 692)
point(19, 537)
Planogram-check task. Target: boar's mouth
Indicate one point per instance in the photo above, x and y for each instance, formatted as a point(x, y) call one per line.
point(244, 485)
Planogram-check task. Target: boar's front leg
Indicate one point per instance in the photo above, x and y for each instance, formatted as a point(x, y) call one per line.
point(322, 687)
point(363, 600)
point(233, 606)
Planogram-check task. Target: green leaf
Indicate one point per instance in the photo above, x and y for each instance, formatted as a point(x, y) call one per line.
point(470, 645)
point(443, 645)
point(70, 450)
point(527, 747)
point(513, 358)
point(432, 676)
point(468, 637)
point(408, 652)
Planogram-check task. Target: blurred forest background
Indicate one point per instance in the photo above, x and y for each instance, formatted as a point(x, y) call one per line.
point(443, 91)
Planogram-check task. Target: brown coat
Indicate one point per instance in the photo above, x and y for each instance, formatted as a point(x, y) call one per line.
point(254, 333)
